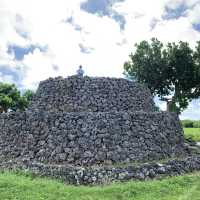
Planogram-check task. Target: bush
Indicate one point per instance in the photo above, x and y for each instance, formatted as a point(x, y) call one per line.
point(190, 123)
point(187, 123)
point(196, 124)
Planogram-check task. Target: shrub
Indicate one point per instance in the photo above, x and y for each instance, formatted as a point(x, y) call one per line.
point(190, 123)
point(196, 124)
point(187, 123)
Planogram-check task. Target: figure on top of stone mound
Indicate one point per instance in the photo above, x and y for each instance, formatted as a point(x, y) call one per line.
point(80, 71)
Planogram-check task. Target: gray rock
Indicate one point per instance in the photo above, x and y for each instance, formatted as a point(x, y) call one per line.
point(62, 156)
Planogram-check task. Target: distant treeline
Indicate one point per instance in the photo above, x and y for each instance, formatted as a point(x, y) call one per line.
point(190, 123)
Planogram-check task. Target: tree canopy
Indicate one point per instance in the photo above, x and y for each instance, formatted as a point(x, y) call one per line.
point(172, 71)
point(11, 98)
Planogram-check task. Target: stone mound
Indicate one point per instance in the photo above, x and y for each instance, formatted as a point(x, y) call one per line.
point(87, 138)
point(83, 121)
point(75, 94)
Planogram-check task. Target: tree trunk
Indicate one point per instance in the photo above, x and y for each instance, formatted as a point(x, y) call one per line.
point(169, 105)
point(1, 109)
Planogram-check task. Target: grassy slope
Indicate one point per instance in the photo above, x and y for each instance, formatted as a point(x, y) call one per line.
point(193, 133)
point(21, 187)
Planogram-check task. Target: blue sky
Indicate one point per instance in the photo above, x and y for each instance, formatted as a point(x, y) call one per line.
point(19, 52)
point(41, 39)
point(104, 8)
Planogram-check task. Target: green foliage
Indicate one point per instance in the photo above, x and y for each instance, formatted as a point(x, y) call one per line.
point(10, 98)
point(147, 64)
point(196, 124)
point(18, 187)
point(192, 133)
point(173, 70)
point(187, 123)
point(28, 94)
point(197, 65)
point(190, 123)
point(157, 108)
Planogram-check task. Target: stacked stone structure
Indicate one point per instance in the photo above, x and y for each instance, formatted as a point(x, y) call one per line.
point(84, 121)
point(86, 94)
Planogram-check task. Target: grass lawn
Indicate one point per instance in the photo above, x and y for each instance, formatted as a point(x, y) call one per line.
point(193, 133)
point(20, 187)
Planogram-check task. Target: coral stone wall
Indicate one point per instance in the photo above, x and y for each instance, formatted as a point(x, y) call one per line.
point(87, 138)
point(76, 128)
point(93, 175)
point(76, 94)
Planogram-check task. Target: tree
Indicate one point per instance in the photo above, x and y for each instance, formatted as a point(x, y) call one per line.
point(172, 70)
point(10, 98)
point(28, 94)
point(196, 92)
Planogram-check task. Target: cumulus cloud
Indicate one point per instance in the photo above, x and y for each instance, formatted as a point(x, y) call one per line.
point(192, 112)
point(53, 38)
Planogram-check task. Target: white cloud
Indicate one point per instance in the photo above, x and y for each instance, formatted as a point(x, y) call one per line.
point(39, 66)
point(142, 8)
point(166, 31)
point(6, 78)
point(173, 4)
point(192, 112)
point(194, 14)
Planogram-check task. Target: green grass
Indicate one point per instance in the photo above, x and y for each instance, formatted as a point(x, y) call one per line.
point(21, 187)
point(193, 133)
